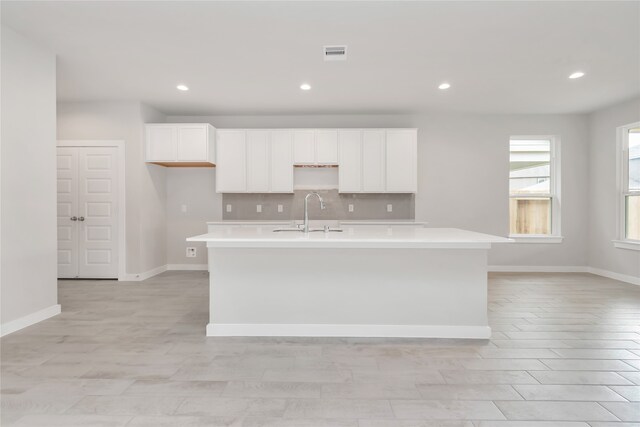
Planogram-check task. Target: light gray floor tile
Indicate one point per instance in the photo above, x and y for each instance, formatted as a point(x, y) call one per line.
point(231, 407)
point(532, 424)
point(588, 393)
point(488, 377)
point(584, 353)
point(370, 391)
point(580, 377)
point(272, 389)
point(555, 411)
point(415, 423)
point(631, 393)
point(504, 365)
point(634, 377)
point(72, 421)
point(626, 411)
point(586, 365)
point(126, 405)
point(308, 375)
point(446, 409)
point(338, 408)
point(182, 421)
point(176, 388)
point(468, 392)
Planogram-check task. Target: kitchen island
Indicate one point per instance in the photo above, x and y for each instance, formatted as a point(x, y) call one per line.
point(366, 281)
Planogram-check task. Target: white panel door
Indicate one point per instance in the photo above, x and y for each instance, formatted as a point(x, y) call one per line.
point(258, 161)
point(231, 173)
point(327, 147)
point(192, 143)
point(98, 212)
point(67, 161)
point(350, 154)
point(87, 212)
point(281, 161)
point(402, 147)
point(373, 161)
point(304, 150)
point(161, 143)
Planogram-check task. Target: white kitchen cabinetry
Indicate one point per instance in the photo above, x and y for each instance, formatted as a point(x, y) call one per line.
point(315, 147)
point(231, 171)
point(402, 161)
point(180, 144)
point(377, 161)
point(254, 161)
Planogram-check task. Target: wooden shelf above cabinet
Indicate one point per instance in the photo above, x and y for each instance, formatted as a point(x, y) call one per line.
point(184, 164)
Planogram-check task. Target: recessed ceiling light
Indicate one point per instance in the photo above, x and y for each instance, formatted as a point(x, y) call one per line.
point(182, 87)
point(305, 86)
point(444, 86)
point(576, 75)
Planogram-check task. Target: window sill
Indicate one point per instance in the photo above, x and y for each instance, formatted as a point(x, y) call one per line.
point(536, 239)
point(626, 244)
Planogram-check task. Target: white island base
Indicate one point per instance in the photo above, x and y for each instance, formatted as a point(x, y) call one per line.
point(438, 293)
point(364, 282)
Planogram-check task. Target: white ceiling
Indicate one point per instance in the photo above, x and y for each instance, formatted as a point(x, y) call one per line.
point(251, 57)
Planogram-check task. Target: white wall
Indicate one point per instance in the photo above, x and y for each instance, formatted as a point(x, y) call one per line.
point(602, 185)
point(28, 183)
point(145, 184)
point(451, 148)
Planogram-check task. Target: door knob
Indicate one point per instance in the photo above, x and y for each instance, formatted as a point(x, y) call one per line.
point(74, 218)
point(81, 218)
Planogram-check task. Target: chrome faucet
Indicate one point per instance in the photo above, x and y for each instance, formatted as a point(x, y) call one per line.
point(305, 226)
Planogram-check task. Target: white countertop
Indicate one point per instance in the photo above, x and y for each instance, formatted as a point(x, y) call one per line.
point(363, 237)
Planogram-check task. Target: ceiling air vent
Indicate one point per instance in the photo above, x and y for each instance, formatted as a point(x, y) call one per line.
point(335, 53)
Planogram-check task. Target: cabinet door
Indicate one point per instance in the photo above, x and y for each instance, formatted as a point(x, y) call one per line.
point(402, 150)
point(192, 143)
point(258, 161)
point(327, 147)
point(231, 173)
point(373, 161)
point(349, 156)
point(281, 161)
point(161, 143)
point(304, 150)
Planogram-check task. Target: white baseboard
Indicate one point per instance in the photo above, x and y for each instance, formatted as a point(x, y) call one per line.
point(197, 267)
point(143, 276)
point(367, 331)
point(30, 319)
point(564, 269)
point(613, 275)
point(538, 269)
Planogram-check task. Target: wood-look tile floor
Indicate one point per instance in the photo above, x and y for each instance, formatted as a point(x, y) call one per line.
point(565, 352)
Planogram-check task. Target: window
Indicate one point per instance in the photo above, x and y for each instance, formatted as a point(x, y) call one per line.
point(630, 183)
point(534, 206)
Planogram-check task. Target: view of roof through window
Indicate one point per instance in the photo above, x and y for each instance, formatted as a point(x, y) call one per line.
point(530, 167)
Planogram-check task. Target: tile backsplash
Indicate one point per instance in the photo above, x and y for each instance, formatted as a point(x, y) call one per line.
point(365, 206)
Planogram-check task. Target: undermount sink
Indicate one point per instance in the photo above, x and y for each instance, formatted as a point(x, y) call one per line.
point(311, 230)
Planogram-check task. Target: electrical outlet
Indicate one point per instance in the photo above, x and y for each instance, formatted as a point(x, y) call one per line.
point(389, 207)
point(350, 207)
point(259, 208)
point(280, 208)
point(191, 252)
point(229, 208)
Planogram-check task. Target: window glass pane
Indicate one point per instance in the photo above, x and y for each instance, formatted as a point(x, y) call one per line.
point(632, 225)
point(634, 159)
point(529, 215)
point(529, 167)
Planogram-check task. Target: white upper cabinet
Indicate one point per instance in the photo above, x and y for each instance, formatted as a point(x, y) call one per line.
point(231, 170)
point(304, 147)
point(254, 161)
point(327, 146)
point(281, 161)
point(350, 159)
point(373, 161)
point(180, 144)
point(315, 146)
point(377, 161)
point(402, 161)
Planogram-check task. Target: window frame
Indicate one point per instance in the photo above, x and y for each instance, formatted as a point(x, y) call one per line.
point(554, 192)
point(622, 190)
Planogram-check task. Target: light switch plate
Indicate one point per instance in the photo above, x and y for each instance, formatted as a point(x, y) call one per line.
point(389, 207)
point(280, 208)
point(229, 208)
point(258, 208)
point(350, 207)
